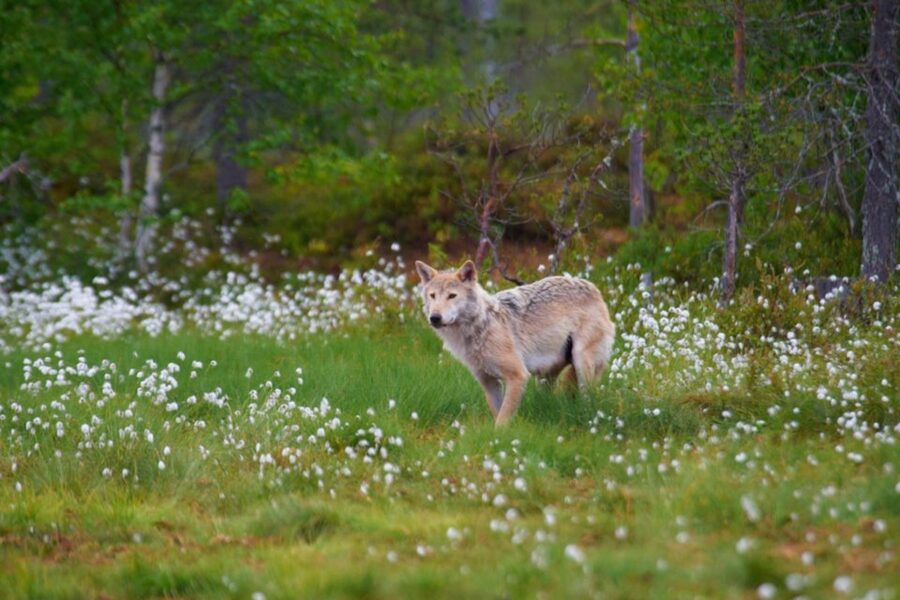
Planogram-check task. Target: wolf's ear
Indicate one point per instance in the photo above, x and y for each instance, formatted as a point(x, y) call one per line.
point(425, 272)
point(466, 272)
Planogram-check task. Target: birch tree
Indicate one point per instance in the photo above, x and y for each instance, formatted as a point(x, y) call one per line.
point(126, 177)
point(149, 209)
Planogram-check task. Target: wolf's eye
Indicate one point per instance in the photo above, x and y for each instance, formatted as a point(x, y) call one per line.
point(431, 294)
point(451, 296)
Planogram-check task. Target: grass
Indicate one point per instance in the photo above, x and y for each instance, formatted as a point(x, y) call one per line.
point(582, 496)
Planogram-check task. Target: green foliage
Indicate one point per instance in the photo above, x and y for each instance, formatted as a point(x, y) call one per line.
point(688, 257)
point(269, 74)
point(696, 255)
point(354, 124)
point(332, 202)
point(794, 114)
point(87, 202)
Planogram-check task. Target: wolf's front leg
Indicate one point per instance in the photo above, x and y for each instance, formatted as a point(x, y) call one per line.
point(493, 393)
point(515, 386)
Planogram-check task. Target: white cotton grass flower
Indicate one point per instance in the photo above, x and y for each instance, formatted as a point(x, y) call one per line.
point(539, 557)
point(574, 553)
point(230, 302)
point(751, 509)
point(796, 581)
point(550, 516)
point(843, 584)
point(743, 545)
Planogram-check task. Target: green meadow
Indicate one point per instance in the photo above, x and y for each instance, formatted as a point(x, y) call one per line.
point(216, 377)
point(183, 465)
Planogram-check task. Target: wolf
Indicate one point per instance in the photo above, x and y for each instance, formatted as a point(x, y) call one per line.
point(535, 329)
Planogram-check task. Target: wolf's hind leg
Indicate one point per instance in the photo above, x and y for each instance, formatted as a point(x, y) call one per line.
point(591, 351)
point(567, 379)
point(584, 367)
point(585, 360)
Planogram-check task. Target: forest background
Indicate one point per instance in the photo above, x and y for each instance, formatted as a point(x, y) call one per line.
point(700, 139)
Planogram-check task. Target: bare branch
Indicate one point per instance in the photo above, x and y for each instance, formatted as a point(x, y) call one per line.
point(19, 166)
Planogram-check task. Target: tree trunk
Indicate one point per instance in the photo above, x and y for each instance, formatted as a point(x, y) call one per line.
point(638, 211)
point(484, 230)
point(843, 201)
point(732, 228)
point(638, 200)
point(149, 210)
point(736, 196)
point(481, 12)
point(230, 174)
point(127, 220)
point(879, 255)
point(740, 58)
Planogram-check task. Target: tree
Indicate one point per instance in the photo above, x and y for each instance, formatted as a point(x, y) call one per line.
point(578, 191)
point(879, 256)
point(149, 209)
point(518, 164)
point(757, 110)
point(62, 59)
point(100, 71)
point(277, 75)
point(736, 198)
point(508, 144)
point(638, 209)
point(225, 82)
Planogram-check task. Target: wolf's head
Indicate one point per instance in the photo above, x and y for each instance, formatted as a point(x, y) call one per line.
point(450, 296)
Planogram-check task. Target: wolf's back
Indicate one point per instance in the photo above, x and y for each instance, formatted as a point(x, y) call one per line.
point(551, 290)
